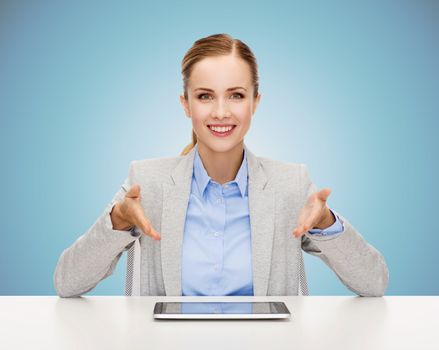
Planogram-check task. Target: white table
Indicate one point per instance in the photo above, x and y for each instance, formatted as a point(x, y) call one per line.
point(112, 322)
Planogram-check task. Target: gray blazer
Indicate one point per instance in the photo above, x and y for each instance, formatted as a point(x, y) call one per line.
point(276, 192)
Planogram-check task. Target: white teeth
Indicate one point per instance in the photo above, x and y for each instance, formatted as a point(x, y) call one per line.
point(221, 128)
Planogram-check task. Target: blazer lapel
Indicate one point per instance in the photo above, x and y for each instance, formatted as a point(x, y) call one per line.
point(261, 207)
point(176, 192)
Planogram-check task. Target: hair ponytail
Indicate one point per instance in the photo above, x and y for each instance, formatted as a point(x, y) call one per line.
point(188, 148)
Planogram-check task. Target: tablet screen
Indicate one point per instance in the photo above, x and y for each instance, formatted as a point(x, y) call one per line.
point(220, 308)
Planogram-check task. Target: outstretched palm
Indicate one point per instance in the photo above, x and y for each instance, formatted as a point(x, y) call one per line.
point(313, 212)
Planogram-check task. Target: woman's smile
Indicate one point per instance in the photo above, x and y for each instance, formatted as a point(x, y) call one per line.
point(221, 130)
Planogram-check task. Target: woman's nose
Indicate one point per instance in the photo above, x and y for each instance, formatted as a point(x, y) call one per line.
point(221, 109)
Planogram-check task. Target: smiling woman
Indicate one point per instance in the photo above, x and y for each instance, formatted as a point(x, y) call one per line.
point(220, 89)
point(223, 221)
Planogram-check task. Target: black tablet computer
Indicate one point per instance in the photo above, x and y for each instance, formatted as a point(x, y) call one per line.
point(221, 310)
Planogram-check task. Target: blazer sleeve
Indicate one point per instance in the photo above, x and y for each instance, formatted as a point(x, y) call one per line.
point(94, 255)
point(358, 265)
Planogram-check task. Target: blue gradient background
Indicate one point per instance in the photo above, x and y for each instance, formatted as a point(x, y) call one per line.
point(349, 88)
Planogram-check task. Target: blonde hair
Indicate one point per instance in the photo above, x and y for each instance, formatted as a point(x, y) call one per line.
point(216, 45)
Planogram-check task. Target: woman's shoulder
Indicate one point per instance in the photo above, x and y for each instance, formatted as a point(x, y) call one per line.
point(281, 169)
point(155, 165)
point(158, 162)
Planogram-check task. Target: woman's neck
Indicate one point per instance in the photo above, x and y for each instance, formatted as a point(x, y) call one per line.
point(222, 167)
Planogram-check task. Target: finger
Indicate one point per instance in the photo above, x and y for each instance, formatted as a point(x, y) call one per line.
point(309, 222)
point(148, 230)
point(134, 192)
point(157, 236)
point(324, 194)
point(298, 231)
point(307, 226)
point(315, 214)
point(153, 232)
point(146, 227)
point(301, 229)
point(295, 231)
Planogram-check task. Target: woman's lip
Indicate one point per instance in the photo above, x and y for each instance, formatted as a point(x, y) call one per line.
point(223, 134)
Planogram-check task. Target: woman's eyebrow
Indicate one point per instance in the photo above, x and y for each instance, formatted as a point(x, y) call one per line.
point(229, 89)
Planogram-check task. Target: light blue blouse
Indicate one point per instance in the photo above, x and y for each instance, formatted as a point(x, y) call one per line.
point(216, 252)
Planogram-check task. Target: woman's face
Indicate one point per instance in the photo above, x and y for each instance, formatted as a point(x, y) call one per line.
point(220, 93)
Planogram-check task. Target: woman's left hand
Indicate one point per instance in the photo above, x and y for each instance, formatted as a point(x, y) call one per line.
point(315, 213)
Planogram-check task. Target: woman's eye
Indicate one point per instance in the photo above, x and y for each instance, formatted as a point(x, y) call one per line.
point(201, 96)
point(238, 94)
point(207, 96)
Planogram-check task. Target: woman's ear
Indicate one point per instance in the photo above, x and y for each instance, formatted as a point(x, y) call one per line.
point(257, 99)
point(185, 105)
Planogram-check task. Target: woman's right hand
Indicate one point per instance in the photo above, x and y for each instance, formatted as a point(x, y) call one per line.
point(129, 213)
